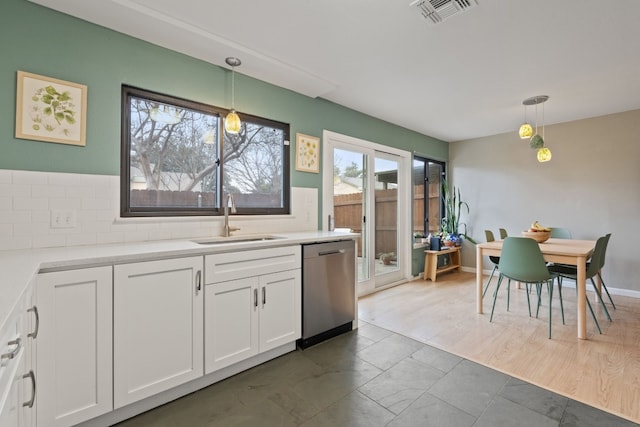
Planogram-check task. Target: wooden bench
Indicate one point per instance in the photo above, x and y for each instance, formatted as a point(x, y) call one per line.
point(431, 269)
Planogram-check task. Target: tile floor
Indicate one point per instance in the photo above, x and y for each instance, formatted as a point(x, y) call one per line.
point(373, 377)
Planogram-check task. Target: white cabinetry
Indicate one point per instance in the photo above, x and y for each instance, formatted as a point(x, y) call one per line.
point(158, 327)
point(74, 346)
point(252, 303)
point(17, 377)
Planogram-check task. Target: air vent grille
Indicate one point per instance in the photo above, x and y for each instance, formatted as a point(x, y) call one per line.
point(437, 11)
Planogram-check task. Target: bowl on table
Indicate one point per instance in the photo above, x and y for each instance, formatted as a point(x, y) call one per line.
point(538, 236)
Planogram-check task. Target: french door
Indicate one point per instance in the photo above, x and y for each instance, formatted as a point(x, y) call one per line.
point(367, 190)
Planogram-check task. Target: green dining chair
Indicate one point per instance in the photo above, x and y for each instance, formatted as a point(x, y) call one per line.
point(494, 259)
point(503, 233)
point(604, 256)
point(593, 267)
point(522, 261)
point(560, 233)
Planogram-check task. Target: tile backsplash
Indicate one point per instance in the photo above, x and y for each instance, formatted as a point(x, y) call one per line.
point(28, 199)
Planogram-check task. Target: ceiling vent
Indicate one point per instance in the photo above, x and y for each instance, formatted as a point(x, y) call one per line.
point(437, 11)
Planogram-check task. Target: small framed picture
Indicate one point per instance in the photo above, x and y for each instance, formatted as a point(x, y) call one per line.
point(50, 110)
point(307, 153)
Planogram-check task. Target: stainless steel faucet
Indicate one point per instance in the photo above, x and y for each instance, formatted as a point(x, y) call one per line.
point(228, 200)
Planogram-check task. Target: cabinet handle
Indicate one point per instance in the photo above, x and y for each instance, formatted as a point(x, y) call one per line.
point(34, 334)
point(12, 353)
point(255, 297)
point(31, 375)
point(264, 295)
point(198, 281)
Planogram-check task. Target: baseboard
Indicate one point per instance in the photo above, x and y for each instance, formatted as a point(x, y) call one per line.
point(568, 283)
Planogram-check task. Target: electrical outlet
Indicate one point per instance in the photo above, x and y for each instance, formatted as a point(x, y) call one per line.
point(63, 218)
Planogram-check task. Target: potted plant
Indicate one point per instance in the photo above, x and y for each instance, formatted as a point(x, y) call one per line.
point(387, 257)
point(452, 229)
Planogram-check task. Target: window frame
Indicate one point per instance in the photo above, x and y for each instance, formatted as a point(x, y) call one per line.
point(126, 211)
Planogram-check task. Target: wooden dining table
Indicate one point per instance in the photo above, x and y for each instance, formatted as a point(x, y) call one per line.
point(561, 251)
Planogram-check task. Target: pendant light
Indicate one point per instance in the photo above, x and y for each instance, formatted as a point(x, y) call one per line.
point(544, 154)
point(232, 122)
point(537, 141)
point(526, 131)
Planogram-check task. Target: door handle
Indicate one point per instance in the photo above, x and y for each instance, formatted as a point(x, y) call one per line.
point(11, 354)
point(264, 295)
point(255, 297)
point(34, 334)
point(32, 375)
point(198, 281)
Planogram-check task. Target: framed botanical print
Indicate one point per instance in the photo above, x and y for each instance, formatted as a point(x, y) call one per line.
point(50, 110)
point(307, 153)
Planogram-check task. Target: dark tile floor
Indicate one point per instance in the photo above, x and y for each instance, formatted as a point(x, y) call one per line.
point(373, 377)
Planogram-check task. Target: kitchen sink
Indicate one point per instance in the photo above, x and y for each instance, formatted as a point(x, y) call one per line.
point(235, 239)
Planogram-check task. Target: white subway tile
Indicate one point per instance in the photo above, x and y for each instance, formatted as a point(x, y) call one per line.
point(81, 239)
point(136, 236)
point(47, 191)
point(95, 204)
point(41, 216)
point(6, 230)
point(80, 192)
point(5, 176)
point(64, 202)
point(111, 237)
point(30, 203)
point(14, 243)
point(49, 241)
point(30, 229)
point(14, 217)
point(13, 190)
point(6, 203)
point(30, 177)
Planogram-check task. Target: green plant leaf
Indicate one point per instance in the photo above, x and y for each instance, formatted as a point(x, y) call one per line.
point(51, 90)
point(64, 96)
point(48, 111)
point(70, 119)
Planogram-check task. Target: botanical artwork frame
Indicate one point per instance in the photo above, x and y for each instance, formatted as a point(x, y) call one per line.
point(50, 110)
point(307, 153)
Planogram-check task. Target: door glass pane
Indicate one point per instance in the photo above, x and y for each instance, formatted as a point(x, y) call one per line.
point(435, 208)
point(386, 216)
point(349, 201)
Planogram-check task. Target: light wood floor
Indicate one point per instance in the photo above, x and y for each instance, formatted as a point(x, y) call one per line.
point(603, 371)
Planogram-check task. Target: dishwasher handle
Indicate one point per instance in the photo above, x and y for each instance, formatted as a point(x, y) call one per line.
point(332, 252)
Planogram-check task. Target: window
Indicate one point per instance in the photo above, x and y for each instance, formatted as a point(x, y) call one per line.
point(178, 160)
point(428, 207)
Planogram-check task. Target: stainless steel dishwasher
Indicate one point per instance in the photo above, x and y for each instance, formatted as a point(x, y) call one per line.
point(328, 290)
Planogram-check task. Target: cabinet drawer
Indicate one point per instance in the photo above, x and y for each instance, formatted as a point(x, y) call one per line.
point(234, 265)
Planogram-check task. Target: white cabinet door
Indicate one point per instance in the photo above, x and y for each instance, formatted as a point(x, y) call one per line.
point(231, 319)
point(11, 400)
point(158, 327)
point(74, 346)
point(280, 309)
point(31, 331)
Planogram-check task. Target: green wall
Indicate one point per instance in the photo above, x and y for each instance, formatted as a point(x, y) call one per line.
point(41, 41)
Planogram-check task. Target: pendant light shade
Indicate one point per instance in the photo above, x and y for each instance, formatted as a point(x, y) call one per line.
point(526, 131)
point(544, 154)
point(232, 123)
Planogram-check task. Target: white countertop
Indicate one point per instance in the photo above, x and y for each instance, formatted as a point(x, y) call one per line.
point(19, 268)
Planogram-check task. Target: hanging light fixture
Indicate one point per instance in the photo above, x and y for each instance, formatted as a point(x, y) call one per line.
point(537, 141)
point(544, 154)
point(526, 131)
point(232, 122)
point(167, 115)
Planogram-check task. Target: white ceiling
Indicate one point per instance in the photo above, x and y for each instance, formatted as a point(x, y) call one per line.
point(463, 78)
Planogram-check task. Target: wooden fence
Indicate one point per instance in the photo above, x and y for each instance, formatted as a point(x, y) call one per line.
point(347, 209)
